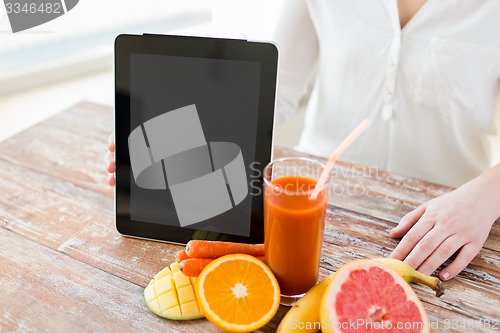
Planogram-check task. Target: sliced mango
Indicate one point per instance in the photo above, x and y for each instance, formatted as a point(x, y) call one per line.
point(172, 295)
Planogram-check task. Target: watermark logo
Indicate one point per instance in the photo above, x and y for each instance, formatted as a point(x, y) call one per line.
point(26, 14)
point(348, 180)
point(170, 152)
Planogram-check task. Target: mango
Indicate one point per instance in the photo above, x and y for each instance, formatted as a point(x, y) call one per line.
point(172, 295)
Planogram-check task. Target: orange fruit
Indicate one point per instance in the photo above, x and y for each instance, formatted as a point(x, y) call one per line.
point(238, 293)
point(368, 296)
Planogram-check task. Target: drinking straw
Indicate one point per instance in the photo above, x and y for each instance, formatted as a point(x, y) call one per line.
point(335, 154)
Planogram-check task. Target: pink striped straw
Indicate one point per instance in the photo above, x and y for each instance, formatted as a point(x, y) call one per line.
point(320, 185)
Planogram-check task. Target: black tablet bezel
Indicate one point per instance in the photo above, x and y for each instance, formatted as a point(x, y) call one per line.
point(198, 47)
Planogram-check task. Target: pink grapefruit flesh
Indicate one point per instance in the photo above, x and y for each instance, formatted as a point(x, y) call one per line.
point(367, 296)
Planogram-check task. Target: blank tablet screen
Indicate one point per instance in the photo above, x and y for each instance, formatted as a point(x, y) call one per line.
point(194, 120)
point(220, 95)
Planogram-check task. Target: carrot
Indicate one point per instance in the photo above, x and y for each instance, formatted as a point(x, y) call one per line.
point(215, 249)
point(181, 255)
point(194, 266)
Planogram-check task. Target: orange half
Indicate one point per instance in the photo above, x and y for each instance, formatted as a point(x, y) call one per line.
point(238, 293)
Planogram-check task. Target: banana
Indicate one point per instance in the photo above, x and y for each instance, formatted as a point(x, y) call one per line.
point(411, 275)
point(304, 316)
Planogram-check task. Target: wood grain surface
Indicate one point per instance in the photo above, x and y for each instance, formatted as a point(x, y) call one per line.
point(65, 268)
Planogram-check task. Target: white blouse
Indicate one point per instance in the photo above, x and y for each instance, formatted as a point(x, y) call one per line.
point(429, 88)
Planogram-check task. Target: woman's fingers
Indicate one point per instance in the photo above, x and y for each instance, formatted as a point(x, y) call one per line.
point(444, 251)
point(412, 237)
point(109, 160)
point(407, 222)
point(111, 179)
point(426, 247)
point(111, 143)
point(467, 253)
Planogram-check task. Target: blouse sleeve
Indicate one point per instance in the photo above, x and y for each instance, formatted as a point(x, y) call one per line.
point(296, 39)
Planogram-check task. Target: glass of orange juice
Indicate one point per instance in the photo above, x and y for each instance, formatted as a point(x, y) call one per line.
point(293, 224)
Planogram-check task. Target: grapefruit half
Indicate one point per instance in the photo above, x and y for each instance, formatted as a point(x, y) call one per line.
point(367, 296)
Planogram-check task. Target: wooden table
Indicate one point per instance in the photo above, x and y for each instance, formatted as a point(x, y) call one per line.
point(64, 267)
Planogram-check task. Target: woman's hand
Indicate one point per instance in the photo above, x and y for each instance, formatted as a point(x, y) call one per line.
point(457, 221)
point(109, 160)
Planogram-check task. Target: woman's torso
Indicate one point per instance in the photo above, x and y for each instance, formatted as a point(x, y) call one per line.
point(429, 88)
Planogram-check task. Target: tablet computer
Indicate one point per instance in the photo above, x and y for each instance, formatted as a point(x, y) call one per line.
point(193, 132)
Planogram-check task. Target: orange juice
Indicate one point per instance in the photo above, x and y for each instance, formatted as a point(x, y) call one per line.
point(293, 232)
